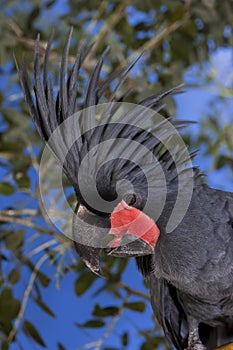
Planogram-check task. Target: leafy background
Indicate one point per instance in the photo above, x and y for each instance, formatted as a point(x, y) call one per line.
point(48, 298)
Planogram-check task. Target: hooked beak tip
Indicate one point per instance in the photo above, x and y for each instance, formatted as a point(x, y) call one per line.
point(97, 270)
point(90, 257)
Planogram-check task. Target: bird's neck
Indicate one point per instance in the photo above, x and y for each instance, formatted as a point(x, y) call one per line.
point(148, 264)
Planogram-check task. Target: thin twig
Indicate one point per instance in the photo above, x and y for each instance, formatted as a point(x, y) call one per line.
point(13, 212)
point(13, 156)
point(30, 224)
point(112, 324)
point(28, 144)
point(98, 343)
point(96, 18)
point(133, 291)
point(111, 21)
point(24, 222)
point(41, 247)
point(150, 44)
point(36, 166)
point(18, 33)
point(30, 43)
point(26, 295)
point(229, 16)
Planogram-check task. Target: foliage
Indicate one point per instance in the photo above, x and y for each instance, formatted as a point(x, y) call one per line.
point(174, 35)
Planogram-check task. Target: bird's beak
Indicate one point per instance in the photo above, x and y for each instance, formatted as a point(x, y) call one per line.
point(89, 231)
point(129, 247)
point(90, 257)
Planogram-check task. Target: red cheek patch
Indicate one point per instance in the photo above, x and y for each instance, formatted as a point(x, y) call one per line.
point(129, 220)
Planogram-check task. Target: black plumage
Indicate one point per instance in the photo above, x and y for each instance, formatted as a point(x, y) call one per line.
point(191, 269)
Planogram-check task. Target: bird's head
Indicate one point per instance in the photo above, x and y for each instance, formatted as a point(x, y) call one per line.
point(127, 232)
point(119, 157)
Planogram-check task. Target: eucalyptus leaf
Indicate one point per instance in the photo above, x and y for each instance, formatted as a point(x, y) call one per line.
point(136, 306)
point(9, 306)
point(83, 283)
point(14, 276)
point(30, 330)
point(95, 323)
point(105, 311)
point(6, 188)
point(44, 307)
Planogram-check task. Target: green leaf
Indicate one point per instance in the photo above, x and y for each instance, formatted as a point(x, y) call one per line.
point(22, 180)
point(14, 240)
point(30, 330)
point(95, 323)
point(60, 346)
point(136, 306)
point(124, 339)
point(105, 311)
point(83, 283)
point(14, 118)
point(9, 306)
point(6, 189)
point(44, 280)
point(153, 343)
point(44, 307)
point(5, 345)
point(122, 265)
point(14, 276)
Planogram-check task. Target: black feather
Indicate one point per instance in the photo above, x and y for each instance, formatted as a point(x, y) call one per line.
point(48, 114)
point(191, 271)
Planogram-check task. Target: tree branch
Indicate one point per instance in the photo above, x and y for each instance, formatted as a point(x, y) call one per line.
point(111, 324)
point(96, 18)
point(36, 166)
point(111, 21)
point(18, 34)
point(133, 291)
point(30, 224)
point(25, 297)
point(41, 247)
point(13, 212)
point(150, 44)
point(24, 222)
point(98, 343)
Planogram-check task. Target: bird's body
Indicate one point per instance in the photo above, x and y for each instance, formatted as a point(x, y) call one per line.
point(206, 233)
point(190, 268)
point(192, 272)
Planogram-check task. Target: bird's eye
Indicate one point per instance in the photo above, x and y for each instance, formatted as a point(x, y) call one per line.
point(130, 199)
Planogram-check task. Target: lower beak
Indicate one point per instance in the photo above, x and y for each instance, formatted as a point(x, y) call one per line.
point(89, 233)
point(130, 247)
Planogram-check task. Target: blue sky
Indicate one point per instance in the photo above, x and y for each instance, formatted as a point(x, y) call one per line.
point(63, 301)
point(193, 105)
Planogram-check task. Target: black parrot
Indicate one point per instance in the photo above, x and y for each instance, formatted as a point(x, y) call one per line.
point(118, 162)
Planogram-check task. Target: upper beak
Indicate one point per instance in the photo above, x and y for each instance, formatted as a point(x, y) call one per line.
point(89, 233)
